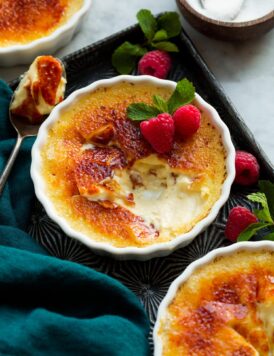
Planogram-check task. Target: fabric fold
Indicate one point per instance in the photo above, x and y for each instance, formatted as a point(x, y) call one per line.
point(49, 306)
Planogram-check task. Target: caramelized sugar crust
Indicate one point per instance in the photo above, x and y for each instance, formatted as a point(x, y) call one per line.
point(23, 21)
point(225, 308)
point(92, 138)
point(94, 166)
point(49, 74)
point(115, 222)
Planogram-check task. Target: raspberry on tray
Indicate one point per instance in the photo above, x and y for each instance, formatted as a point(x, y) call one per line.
point(247, 168)
point(238, 220)
point(156, 63)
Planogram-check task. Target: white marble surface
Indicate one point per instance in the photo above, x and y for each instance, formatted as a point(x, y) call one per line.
point(245, 70)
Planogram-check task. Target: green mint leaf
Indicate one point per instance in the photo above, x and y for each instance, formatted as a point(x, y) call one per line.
point(251, 230)
point(269, 236)
point(170, 22)
point(268, 188)
point(147, 23)
point(263, 214)
point(258, 197)
point(183, 94)
point(160, 103)
point(125, 56)
point(165, 46)
point(160, 35)
point(141, 111)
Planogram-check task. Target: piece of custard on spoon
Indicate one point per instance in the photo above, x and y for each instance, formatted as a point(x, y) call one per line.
point(42, 87)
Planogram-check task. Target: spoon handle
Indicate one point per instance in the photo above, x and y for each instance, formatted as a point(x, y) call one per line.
point(6, 172)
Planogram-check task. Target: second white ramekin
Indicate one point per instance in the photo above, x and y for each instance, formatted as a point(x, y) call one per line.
point(207, 259)
point(25, 53)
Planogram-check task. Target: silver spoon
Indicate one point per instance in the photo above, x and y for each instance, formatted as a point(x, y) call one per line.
point(23, 129)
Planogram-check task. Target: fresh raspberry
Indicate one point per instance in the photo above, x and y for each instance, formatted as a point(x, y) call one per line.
point(187, 120)
point(238, 220)
point(156, 63)
point(159, 132)
point(247, 168)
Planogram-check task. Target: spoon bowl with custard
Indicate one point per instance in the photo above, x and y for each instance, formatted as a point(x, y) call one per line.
point(40, 89)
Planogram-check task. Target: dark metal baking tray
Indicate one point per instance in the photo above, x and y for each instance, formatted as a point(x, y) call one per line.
point(150, 280)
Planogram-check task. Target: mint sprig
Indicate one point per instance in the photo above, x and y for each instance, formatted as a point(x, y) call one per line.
point(170, 22)
point(147, 23)
point(251, 230)
point(165, 46)
point(160, 103)
point(183, 94)
point(268, 189)
point(141, 111)
point(265, 215)
point(157, 32)
point(125, 56)
point(160, 35)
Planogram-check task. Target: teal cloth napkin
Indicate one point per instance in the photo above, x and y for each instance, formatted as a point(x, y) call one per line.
point(50, 306)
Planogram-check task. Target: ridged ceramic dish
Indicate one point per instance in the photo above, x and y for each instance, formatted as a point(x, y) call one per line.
point(139, 253)
point(25, 53)
point(194, 266)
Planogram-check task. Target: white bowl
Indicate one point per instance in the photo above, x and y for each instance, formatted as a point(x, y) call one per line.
point(175, 285)
point(25, 53)
point(138, 253)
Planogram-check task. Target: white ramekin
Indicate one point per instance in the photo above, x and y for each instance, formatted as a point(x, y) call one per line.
point(25, 53)
point(138, 253)
point(201, 262)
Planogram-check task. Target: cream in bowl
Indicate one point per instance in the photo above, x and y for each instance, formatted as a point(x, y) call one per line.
point(104, 184)
point(229, 20)
point(223, 304)
point(233, 10)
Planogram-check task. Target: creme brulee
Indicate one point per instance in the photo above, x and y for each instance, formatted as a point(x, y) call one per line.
point(225, 308)
point(23, 21)
point(108, 183)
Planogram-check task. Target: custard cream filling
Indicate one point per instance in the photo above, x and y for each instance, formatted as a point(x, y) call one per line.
point(164, 197)
point(266, 314)
point(29, 79)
